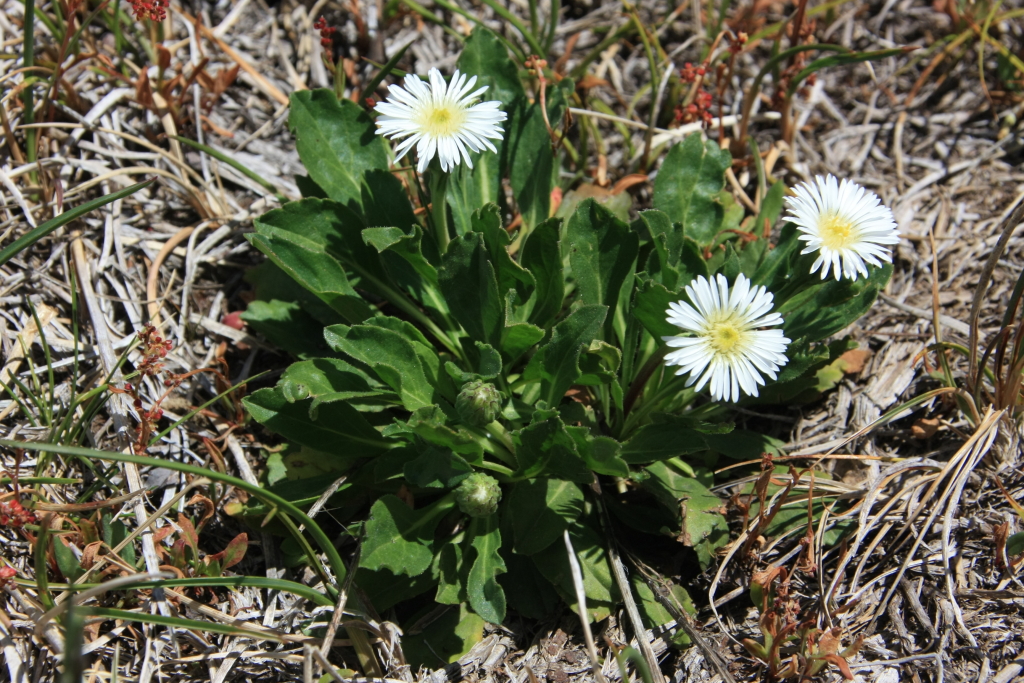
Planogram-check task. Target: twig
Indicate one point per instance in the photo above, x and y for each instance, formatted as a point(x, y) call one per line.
point(581, 608)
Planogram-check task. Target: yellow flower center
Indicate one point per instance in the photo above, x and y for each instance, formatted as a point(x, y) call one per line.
point(725, 336)
point(443, 121)
point(836, 231)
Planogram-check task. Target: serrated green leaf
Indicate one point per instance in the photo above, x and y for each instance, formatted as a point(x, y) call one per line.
point(518, 338)
point(540, 510)
point(486, 596)
point(470, 286)
point(399, 538)
point(703, 526)
point(545, 449)
point(437, 468)
point(485, 57)
point(444, 638)
point(339, 429)
point(598, 584)
point(510, 275)
point(429, 424)
point(383, 589)
point(448, 568)
point(392, 357)
point(488, 366)
point(337, 142)
point(601, 453)
point(688, 184)
point(556, 363)
point(602, 252)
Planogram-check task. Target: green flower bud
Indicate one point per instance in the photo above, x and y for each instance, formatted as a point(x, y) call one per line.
point(478, 495)
point(478, 403)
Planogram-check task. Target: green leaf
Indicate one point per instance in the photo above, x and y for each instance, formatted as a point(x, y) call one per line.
point(436, 468)
point(542, 257)
point(703, 526)
point(339, 429)
point(429, 424)
point(326, 380)
point(654, 613)
point(741, 444)
point(540, 510)
point(598, 584)
point(400, 538)
point(287, 325)
point(601, 453)
point(470, 287)
point(337, 143)
point(324, 226)
point(518, 338)
point(533, 161)
point(449, 570)
point(485, 594)
point(510, 275)
point(488, 366)
point(824, 309)
point(556, 363)
point(392, 357)
point(68, 564)
point(546, 449)
point(773, 267)
point(384, 589)
point(527, 591)
point(669, 436)
point(443, 638)
point(650, 307)
point(407, 246)
point(309, 265)
point(470, 188)
point(688, 184)
point(38, 233)
point(1015, 544)
point(602, 252)
point(771, 209)
point(485, 57)
point(385, 201)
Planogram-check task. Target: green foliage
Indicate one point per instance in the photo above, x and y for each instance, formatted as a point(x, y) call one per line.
point(472, 387)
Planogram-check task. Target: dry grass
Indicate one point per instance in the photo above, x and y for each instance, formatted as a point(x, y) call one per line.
point(918, 571)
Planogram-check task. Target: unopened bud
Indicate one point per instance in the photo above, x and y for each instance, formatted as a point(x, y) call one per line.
point(478, 403)
point(478, 495)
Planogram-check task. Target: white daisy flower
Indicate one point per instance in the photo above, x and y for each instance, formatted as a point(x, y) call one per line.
point(846, 223)
point(442, 118)
point(725, 345)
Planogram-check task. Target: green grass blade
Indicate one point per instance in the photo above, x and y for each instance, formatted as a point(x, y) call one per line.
point(321, 538)
point(383, 73)
point(839, 60)
point(175, 622)
point(235, 164)
point(282, 585)
point(33, 236)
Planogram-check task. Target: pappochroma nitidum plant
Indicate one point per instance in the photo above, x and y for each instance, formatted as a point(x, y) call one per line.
point(473, 383)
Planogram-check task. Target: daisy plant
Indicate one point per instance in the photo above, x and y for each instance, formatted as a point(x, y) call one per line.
point(487, 373)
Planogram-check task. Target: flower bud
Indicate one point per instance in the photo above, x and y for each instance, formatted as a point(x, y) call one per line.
point(478, 403)
point(478, 495)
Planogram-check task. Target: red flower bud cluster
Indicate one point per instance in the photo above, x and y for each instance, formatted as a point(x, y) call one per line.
point(689, 73)
point(12, 514)
point(150, 9)
point(698, 110)
point(154, 350)
point(326, 32)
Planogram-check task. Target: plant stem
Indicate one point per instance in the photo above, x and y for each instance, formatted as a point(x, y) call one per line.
point(28, 61)
point(439, 205)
